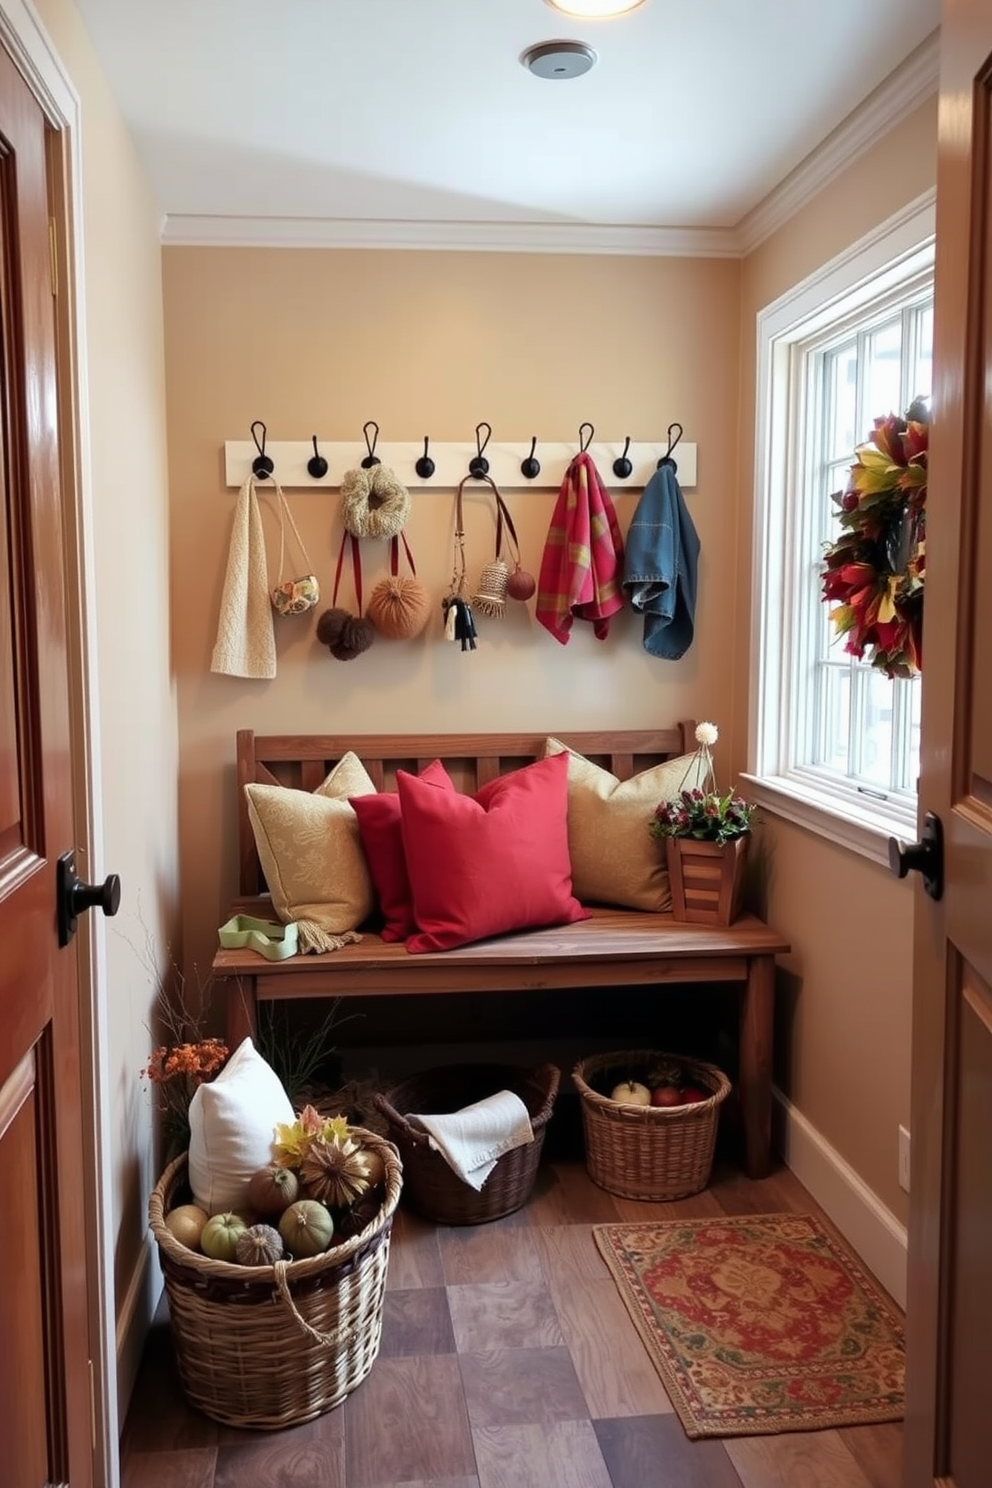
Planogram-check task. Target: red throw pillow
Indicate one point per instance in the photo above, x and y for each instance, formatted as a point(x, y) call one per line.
point(382, 839)
point(491, 863)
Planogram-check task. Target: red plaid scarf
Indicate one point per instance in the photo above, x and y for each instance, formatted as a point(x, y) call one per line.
point(582, 563)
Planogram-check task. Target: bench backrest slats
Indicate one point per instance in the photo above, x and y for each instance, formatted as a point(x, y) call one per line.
point(302, 761)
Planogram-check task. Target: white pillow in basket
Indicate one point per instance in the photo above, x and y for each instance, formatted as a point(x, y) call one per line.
point(232, 1122)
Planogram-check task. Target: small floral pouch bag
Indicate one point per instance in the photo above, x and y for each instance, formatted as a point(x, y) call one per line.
point(292, 596)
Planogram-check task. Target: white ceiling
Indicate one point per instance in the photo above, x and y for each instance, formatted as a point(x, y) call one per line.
point(419, 111)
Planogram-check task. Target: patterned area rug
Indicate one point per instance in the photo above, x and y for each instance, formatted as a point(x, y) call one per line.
point(759, 1324)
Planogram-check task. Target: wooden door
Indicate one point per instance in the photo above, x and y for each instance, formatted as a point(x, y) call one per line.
point(45, 1413)
point(949, 1421)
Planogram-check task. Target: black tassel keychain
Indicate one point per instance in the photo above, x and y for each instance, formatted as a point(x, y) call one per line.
point(459, 622)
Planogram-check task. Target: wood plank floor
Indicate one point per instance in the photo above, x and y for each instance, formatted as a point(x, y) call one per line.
point(507, 1361)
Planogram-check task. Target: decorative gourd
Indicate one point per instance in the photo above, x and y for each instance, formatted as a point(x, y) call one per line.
point(271, 1190)
point(306, 1228)
point(259, 1246)
point(220, 1236)
point(377, 1166)
point(335, 1171)
point(186, 1223)
point(353, 1221)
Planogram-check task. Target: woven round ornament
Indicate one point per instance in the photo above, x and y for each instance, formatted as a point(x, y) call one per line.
point(520, 584)
point(374, 503)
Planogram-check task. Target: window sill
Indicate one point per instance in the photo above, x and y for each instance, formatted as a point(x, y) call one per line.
point(861, 830)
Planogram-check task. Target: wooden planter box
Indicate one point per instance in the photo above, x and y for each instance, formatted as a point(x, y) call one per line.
point(707, 879)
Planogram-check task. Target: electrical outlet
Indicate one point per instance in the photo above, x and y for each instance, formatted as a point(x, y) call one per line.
point(904, 1158)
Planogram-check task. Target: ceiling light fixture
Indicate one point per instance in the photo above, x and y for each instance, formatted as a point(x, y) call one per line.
point(594, 10)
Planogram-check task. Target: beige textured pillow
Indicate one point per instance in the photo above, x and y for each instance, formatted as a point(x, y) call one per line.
point(615, 860)
point(311, 853)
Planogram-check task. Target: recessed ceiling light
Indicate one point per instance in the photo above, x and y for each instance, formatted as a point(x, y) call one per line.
point(594, 10)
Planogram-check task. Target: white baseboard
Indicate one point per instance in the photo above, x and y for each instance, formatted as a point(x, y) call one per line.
point(864, 1221)
point(133, 1321)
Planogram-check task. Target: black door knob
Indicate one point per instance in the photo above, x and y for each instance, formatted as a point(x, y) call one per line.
point(925, 857)
point(73, 896)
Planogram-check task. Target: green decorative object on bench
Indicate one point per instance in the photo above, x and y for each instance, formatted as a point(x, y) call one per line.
point(269, 938)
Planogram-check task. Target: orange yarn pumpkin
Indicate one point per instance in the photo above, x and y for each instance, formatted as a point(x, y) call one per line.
point(399, 608)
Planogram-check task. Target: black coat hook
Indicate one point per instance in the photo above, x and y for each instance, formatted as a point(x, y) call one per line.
point(622, 467)
point(371, 458)
point(585, 440)
point(262, 465)
point(479, 465)
point(666, 458)
point(425, 466)
point(316, 465)
point(530, 468)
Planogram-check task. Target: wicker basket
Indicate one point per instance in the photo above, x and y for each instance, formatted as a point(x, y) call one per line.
point(648, 1152)
point(272, 1346)
point(429, 1183)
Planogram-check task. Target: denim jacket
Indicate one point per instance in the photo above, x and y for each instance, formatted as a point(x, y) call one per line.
point(661, 560)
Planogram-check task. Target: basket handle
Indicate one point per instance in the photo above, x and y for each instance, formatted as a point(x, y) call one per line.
point(552, 1074)
point(382, 1105)
point(338, 1340)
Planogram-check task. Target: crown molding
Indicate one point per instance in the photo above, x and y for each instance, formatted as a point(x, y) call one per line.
point(466, 237)
point(901, 92)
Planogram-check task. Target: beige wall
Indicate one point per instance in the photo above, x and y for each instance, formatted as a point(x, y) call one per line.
point(430, 343)
point(843, 1056)
point(135, 711)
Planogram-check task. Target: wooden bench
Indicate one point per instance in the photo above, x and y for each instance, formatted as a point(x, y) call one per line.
point(616, 947)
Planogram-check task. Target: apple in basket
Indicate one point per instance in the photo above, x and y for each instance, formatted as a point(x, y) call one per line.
point(631, 1093)
point(666, 1095)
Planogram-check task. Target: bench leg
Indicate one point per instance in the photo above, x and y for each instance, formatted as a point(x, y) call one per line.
point(242, 1010)
point(757, 1011)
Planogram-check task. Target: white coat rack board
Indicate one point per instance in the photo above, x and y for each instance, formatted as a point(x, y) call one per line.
point(451, 461)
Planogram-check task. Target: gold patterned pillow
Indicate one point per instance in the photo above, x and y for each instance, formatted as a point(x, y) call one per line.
point(311, 854)
point(615, 860)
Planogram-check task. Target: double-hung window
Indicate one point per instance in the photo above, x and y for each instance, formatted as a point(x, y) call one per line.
point(834, 742)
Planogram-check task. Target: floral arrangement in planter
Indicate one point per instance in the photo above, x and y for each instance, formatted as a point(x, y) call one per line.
point(873, 574)
point(705, 834)
point(704, 815)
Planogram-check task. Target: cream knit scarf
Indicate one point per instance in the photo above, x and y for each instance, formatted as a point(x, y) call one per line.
point(245, 645)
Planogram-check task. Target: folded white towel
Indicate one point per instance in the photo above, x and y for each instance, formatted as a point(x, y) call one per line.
point(472, 1139)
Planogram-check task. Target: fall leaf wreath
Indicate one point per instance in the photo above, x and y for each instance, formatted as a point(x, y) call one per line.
point(873, 573)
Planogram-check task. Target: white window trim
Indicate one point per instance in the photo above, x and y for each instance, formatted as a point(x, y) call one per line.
point(898, 248)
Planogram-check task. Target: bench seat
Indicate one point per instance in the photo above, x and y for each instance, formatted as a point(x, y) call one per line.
point(615, 947)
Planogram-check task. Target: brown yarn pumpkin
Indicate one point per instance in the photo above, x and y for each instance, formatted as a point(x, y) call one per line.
point(345, 635)
point(399, 608)
point(357, 635)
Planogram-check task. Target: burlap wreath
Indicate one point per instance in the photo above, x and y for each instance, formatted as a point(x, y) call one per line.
point(373, 502)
